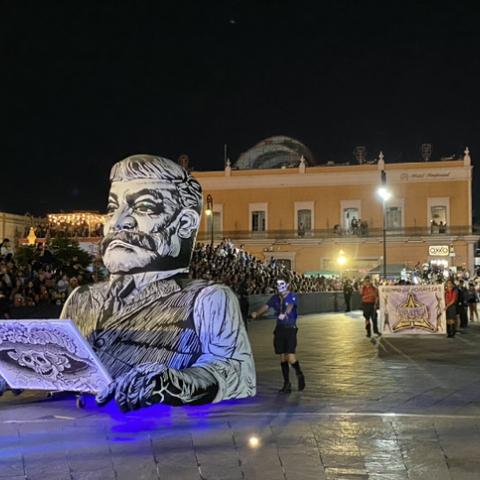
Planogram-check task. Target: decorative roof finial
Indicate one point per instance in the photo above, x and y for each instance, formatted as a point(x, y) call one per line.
point(228, 168)
point(301, 165)
point(381, 161)
point(466, 158)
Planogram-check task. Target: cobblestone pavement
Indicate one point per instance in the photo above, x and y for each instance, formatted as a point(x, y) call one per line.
point(402, 409)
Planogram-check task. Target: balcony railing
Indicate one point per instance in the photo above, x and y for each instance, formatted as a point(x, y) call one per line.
point(340, 233)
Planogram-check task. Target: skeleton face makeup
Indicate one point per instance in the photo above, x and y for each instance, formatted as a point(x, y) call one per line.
point(143, 226)
point(282, 286)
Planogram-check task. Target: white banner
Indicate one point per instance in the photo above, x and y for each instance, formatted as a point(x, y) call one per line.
point(407, 309)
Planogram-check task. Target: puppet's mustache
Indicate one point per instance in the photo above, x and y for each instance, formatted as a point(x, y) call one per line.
point(136, 239)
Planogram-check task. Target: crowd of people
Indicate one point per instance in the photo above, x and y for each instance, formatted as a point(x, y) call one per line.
point(243, 272)
point(41, 282)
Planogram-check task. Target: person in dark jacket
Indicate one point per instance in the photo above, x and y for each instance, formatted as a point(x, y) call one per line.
point(347, 294)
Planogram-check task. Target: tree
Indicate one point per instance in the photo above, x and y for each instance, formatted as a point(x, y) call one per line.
point(67, 251)
point(24, 254)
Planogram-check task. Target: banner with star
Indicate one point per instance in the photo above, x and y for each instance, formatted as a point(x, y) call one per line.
point(407, 309)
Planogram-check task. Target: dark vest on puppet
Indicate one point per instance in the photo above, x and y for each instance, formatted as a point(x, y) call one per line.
point(155, 326)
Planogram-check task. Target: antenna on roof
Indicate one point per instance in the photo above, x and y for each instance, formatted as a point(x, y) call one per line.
point(426, 151)
point(360, 154)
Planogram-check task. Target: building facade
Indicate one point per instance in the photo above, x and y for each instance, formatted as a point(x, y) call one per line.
point(331, 218)
point(15, 227)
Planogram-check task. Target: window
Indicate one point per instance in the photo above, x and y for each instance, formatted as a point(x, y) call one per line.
point(304, 218)
point(350, 218)
point(258, 213)
point(282, 258)
point(258, 221)
point(438, 214)
point(304, 221)
point(350, 211)
point(395, 214)
point(286, 262)
point(217, 222)
point(393, 217)
point(217, 219)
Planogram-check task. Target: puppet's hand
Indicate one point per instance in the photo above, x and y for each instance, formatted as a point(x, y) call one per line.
point(134, 389)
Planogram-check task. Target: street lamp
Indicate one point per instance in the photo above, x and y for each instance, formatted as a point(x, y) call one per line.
point(341, 259)
point(209, 214)
point(385, 195)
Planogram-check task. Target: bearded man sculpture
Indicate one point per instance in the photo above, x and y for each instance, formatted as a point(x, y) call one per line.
point(162, 337)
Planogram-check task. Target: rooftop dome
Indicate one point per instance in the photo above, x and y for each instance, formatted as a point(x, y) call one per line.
point(275, 152)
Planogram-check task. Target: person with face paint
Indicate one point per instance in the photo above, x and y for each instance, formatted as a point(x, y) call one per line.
point(285, 334)
point(162, 337)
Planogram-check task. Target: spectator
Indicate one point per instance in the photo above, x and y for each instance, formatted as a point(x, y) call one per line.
point(472, 300)
point(5, 248)
point(369, 305)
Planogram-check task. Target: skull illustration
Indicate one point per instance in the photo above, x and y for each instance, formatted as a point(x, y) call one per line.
point(47, 364)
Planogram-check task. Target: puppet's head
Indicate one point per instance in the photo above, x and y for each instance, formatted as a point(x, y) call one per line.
point(153, 216)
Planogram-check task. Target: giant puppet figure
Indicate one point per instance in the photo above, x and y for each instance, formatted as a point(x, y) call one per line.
point(163, 338)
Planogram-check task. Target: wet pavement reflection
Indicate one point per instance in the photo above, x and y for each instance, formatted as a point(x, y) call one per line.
point(402, 409)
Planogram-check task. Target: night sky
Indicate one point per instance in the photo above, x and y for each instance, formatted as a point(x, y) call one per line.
point(86, 83)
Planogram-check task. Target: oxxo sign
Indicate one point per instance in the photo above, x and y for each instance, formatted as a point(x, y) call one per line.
point(439, 250)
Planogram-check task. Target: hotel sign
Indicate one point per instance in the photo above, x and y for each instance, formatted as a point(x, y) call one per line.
point(439, 250)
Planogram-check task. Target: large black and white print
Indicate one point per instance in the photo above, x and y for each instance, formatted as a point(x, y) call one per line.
point(163, 337)
point(48, 355)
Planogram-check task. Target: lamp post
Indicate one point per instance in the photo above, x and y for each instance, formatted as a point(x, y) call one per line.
point(209, 214)
point(341, 261)
point(385, 195)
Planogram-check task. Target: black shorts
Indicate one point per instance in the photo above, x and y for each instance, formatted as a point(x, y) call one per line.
point(369, 311)
point(451, 313)
point(285, 340)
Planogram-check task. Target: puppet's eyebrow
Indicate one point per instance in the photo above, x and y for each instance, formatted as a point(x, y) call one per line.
point(147, 192)
point(113, 196)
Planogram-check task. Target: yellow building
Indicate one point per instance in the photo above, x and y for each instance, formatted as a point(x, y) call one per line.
point(313, 216)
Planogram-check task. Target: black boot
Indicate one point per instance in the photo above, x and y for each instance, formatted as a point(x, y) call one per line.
point(450, 330)
point(368, 328)
point(287, 386)
point(300, 376)
point(375, 326)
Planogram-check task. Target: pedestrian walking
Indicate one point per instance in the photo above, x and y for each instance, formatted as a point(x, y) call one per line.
point(285, 334)
point(347, 294)
point(472, 300)
point(369, 295)
point(462, 306)
point(451, 298)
